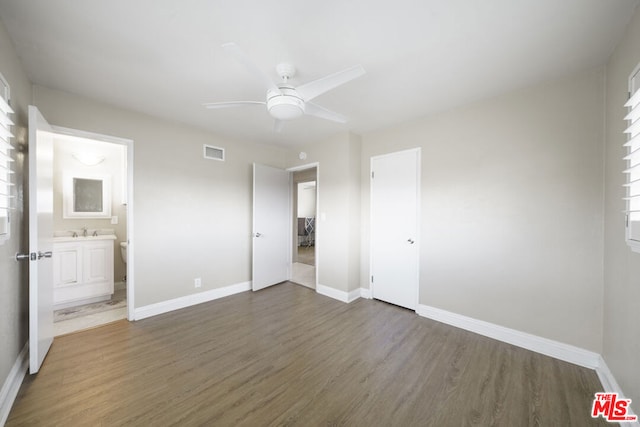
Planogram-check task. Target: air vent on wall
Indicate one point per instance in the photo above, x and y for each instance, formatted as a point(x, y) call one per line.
point(214, 153)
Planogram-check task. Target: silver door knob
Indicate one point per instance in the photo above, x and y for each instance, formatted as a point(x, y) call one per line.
point(411, 241)
point(25, 257)
point(47, 254)
point(258, 234)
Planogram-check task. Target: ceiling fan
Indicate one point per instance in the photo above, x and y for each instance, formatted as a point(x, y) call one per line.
point(285, 102)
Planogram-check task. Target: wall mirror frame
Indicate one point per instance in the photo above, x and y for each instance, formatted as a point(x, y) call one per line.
point(86, 196)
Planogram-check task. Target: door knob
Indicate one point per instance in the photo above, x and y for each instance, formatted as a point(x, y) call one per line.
point(25, 257)
point(411, 241)
point(47, 254)
point(258, 234)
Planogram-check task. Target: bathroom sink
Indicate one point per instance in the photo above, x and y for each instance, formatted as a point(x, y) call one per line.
point(78, 235)
point(83, 238)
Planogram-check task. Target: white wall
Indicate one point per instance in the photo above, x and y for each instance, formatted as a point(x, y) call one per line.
point(14, 287)
point(621, 266)
point(512, 193)
point(192, 216)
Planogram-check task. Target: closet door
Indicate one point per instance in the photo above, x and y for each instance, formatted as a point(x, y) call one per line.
point(395, 190)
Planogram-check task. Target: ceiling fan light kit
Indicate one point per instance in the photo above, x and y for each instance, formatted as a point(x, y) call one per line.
point(285, 102)
point(286, 105)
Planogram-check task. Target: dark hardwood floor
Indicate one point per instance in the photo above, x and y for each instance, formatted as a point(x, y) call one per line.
point(288, 356)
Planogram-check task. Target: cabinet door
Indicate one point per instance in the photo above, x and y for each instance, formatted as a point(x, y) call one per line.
point(98, 262)
point(67, 265)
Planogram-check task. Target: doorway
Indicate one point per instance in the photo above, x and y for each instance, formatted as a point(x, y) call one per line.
point(305, 208)
point(82, 159)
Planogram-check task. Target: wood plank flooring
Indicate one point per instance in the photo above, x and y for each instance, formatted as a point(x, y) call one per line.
point(286, 356)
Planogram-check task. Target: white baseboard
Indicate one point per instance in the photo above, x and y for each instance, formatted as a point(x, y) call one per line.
point(610, 385)
point(365, 293)
point(12, 383)
point(189, 300)
point(338, 294)
point(558, 350)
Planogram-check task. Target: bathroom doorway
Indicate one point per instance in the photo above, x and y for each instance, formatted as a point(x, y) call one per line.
point(91, 236)
point(305, 208)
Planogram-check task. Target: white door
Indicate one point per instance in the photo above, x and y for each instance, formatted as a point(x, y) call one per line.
point(394, 228)
point(271, 226)
point(40, 239)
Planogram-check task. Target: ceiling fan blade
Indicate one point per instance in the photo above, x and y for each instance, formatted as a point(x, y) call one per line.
point(214, 105)
point(321, 112)
point(278, 125)
point(244, 59)
point(310, 90)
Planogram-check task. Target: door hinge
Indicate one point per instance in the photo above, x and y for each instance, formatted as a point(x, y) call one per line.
point(373, 174)
point(371, 279)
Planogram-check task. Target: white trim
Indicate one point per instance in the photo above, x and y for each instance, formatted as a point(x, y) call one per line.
point(365, 293)
point(129, 270)
point(304, 167)
point(189, 300)
point(77, 133)
point(610, 385)
point(334, 293)
point(556, 349)
point(12, 384)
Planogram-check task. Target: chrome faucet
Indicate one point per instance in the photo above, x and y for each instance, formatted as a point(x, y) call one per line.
point(84, 231)
point(74, 234)
point(95, 233)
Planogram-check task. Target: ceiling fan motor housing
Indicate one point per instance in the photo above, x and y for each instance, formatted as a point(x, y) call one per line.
point(286, 105)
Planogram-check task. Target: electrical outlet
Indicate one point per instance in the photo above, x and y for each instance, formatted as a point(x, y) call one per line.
point(198, 282)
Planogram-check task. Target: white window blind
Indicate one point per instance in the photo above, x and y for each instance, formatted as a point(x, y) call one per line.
point(632, 171)
point(6, 161)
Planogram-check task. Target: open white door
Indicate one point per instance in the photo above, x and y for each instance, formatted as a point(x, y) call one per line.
point(271, 226)
point(40, 239)
point(394, 227)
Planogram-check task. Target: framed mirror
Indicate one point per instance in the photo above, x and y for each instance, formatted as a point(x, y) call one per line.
point(86, 196)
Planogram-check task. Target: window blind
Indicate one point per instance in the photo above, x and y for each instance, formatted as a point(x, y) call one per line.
point(632, 171)
point(6, 161)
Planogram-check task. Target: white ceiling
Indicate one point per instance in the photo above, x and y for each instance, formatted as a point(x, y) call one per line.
point(163, 57)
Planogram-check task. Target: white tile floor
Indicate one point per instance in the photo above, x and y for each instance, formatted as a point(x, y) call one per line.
point(304, 275)
point(88, 321)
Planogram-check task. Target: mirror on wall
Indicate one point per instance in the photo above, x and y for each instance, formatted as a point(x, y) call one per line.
point(86, 196)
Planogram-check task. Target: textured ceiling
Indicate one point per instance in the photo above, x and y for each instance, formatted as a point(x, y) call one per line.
point(164, 57)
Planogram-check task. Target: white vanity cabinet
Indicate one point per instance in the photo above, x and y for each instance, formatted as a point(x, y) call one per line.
point(82, 270)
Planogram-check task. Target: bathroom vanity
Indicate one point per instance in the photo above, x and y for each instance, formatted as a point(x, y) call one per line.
point(82, 269)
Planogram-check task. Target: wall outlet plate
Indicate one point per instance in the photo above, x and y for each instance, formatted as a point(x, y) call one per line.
point(197, 282)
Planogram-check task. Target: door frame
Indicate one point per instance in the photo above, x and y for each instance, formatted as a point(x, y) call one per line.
point(418, 152)
point(317, 241)
point(128, 143)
